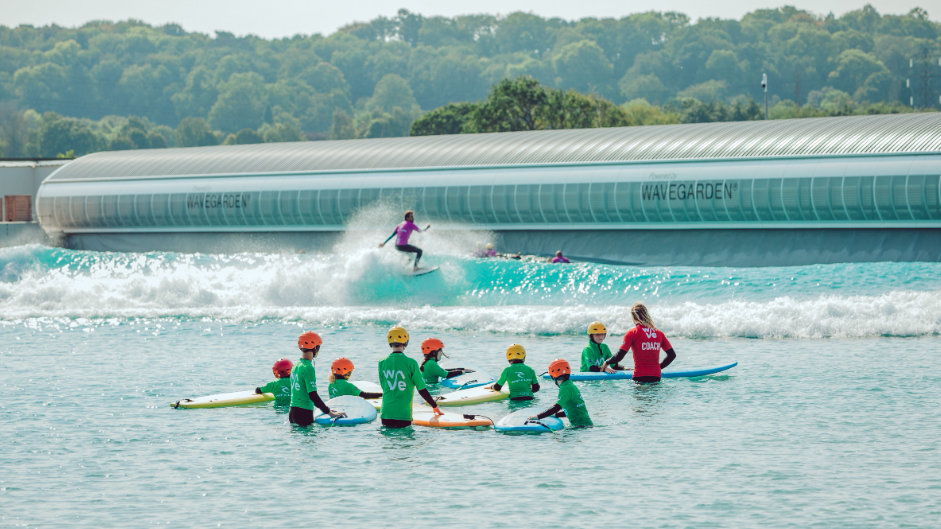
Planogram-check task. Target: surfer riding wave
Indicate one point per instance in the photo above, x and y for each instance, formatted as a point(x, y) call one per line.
point(402, 232)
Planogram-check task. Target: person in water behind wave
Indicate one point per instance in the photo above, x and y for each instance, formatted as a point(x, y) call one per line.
point(646, 341)
point(401, 234)
point(559, 258)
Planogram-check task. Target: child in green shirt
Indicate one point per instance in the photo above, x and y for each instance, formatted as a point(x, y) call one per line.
point(340, 372)
point(304, 384)
point(433, 349)
point(280, 388)
point(595, 353)
point(520, 377)
point(399, 377)
point(570, 401)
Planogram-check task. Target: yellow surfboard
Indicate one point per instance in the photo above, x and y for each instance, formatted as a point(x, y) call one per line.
point(224, 400)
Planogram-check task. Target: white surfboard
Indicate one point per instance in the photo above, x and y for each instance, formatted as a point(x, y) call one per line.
point(470, 396)
point(421, 271)
point(370, 387)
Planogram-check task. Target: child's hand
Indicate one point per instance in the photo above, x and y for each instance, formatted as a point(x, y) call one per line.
point(468, 370)
point(337, 414)
point(533, 418)
point(609, 369)
point(437, 411)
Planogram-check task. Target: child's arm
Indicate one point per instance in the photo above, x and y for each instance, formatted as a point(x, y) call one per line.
point(322, 406)
point(367, 395)
point(535, 387)
point(451, 373)
point(555, 408)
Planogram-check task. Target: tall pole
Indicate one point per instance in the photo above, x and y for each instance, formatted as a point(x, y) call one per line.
point(764, 84)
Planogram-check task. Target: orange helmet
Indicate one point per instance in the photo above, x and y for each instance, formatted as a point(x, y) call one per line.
point(342, 366)
point(431, 344)
point(309, 340)
point(559, 367)
point(282, 368)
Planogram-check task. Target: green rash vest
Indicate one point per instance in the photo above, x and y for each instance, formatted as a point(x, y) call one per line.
point(432, 372)
point(303, 381)
point(342, 386)
point(571, 401)
point(594, 355)
point(281, 389)
point(399, 377)
point(520, 378)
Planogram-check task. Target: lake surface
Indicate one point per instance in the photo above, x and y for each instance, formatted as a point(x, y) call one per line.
point(830, 419)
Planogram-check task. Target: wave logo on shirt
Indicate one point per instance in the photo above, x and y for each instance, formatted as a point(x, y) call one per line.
point(521, 376)
point(392, 380)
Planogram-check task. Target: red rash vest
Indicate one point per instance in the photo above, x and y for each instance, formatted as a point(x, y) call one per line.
point(645, 344)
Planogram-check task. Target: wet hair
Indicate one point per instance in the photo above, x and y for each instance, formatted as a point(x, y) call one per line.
point(407, 213)
point(558, 253)
point(641, 315)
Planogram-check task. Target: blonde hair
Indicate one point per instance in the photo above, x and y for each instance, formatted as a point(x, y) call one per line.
point(641, 315)
point(407, 213)
point(332, 378)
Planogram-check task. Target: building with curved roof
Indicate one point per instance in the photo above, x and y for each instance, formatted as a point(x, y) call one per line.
point(746, 193)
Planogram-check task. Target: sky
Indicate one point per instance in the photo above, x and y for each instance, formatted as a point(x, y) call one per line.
point(284, 18)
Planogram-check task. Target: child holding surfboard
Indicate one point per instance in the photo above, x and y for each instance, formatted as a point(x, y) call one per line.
point(340, 372)
point(304, 383)
point(433, 349)
point(596, 352)
point(399, 377)
point(570, 400)
point(280, 388)
point(520, 377)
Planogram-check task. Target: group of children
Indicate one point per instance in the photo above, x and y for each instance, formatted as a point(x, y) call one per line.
point(400, 376)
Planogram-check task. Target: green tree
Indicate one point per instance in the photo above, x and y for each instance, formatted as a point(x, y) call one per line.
point(448, 119)
point(60, 135)
point(583, 66)
point(241, 103)
point(195, 132)
point(342, 128)
point(510, 106)
point(392, 91)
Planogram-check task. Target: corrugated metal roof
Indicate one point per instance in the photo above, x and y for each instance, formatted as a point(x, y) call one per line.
point(900, 133)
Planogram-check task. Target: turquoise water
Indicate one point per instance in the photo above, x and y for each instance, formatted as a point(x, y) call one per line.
point(829, 420)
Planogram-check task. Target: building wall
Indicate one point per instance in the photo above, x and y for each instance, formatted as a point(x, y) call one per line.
point(25, 178)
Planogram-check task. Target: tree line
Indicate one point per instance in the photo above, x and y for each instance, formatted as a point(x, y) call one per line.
point(128, 84)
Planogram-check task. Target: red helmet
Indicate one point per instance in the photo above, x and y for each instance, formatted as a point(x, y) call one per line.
point(431, 344)
point(342, 367)
point(282, 368)
point(309, 340)
point(559, 367)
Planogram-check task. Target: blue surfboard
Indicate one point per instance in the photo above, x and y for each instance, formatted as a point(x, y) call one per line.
point(357, 410)
point(666, 373)
point(469, 380)
point(519, 422)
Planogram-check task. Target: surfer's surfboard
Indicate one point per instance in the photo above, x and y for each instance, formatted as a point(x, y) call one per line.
point(224, 400)
point(469, 380)
point(666, 373)
point(426, 417)
point(357, 410)
point(421, 271)
point(476, 395)
point(370, 387)
point(519, 422)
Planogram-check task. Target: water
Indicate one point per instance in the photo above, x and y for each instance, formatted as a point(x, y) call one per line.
point(829, 420)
